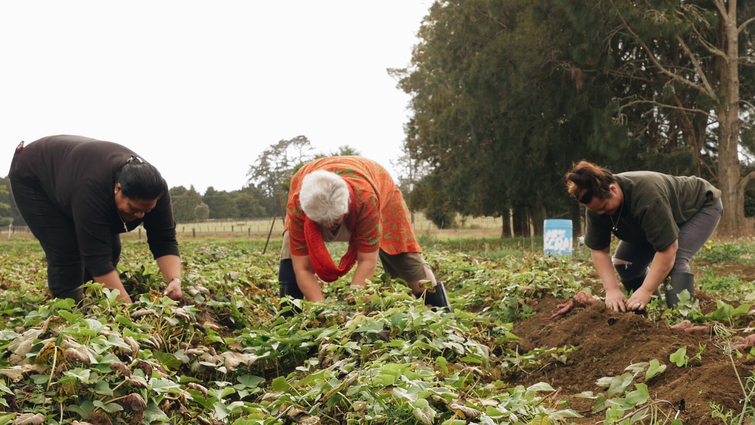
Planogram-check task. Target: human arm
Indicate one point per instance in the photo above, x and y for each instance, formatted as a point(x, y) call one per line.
point(306, 278)
point(614, 297)
point(366, 264)
point(170, 266)
point(113, 281)
point(663, 262)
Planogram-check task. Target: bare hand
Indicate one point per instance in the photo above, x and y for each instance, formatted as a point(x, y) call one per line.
point(173, 291)
point(615, 301)
point(639, 300)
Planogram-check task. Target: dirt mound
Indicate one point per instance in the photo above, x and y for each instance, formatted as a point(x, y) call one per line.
point(607, 342)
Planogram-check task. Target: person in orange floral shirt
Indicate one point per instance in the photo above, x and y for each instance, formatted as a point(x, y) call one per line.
point(350, 198)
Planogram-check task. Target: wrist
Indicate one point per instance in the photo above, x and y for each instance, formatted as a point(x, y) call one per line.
point(175, 279)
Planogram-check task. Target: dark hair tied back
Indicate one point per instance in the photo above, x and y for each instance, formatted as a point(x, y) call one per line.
point(587, 180)
point(140, 180)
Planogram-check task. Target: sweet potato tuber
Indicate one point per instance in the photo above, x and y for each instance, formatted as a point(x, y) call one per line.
point(745, 343)
point(686, 326)
point(582, 299)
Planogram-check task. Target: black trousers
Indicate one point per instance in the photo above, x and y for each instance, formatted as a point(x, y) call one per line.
point(57, 235)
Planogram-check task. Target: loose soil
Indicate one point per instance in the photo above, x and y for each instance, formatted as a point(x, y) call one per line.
point(607, 342)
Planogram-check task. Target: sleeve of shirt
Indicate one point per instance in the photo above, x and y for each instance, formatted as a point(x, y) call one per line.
point(597, 235)
point(90, 218)
point(295, 217)
point(659, 225)
point(368, 230)
point(161, 228)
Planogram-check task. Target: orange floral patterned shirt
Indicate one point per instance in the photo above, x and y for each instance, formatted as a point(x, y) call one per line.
point(383, 219)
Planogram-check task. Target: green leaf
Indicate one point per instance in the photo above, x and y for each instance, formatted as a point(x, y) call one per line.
point(39, 379)
point(169, 361)
point(383, 380)
point(64, 304)
point(742, 310)
point(84, 409)
point(125, 321)
point(250, 381)
point(80, 374)
point(154, 414)
point(639, 396)
point(110, 408)
point(280, 384)
point(161, 386)
point(679, 358)
point(654, 368)
point(103, 388)
point(619, 384)
point(541, 386)
point(398, 321)
point(221, 411)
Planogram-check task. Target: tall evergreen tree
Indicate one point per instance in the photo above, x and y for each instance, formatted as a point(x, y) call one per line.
point(677, 71)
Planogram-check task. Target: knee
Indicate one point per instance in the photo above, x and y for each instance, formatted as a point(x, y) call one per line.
point(681, 266)
point(628, 271)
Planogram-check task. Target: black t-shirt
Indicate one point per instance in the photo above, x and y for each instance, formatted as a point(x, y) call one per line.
point(654, 206)
point(78, 175)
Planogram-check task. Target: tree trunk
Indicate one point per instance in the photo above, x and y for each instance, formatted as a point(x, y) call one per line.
point(506, 227)
point(576, 218)
point(732, 222)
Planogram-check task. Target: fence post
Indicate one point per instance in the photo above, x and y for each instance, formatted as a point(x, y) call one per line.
point(249, 232)
point(194, 233)
point(140, 233)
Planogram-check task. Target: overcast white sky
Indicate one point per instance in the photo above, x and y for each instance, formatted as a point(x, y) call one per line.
point(201, 88)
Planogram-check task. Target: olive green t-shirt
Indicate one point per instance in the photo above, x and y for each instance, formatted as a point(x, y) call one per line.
point(654, 206)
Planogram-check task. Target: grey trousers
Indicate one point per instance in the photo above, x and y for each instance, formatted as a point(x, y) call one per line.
point(692, 235)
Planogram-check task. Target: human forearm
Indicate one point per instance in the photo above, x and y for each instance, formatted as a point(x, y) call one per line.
point(170, 267)
point(306, 278)
point(663, 262)
point(604, 267)
point(366, 265)
point(112, 281)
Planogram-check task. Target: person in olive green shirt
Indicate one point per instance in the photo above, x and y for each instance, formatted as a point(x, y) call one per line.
point(659, 219)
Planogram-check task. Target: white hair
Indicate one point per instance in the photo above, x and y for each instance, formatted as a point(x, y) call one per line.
point(324, 197)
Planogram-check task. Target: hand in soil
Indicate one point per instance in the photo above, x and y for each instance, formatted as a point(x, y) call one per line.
point(582, 299)
point(639, 300)
point(616, 301)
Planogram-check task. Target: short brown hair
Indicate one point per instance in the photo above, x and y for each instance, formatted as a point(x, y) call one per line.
point(587, 180)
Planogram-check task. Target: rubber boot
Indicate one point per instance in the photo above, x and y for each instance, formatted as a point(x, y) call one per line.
point(75, 294)
point(288, 286)
point(438, 298)
point(675, 283)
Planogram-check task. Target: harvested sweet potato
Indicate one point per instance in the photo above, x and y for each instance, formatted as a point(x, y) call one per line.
point(582, 299)
point(686, 326)
point(745, 343)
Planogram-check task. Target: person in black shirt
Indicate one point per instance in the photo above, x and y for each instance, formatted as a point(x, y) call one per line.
point(659, 219)
point(77, 195)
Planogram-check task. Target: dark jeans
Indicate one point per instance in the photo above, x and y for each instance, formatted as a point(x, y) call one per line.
point(57, 235)
point(692, 236)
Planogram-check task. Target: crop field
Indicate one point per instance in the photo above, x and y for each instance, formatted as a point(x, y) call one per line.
point(225, 354)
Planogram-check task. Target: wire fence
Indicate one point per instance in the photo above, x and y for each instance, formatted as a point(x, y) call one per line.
point(261, 227)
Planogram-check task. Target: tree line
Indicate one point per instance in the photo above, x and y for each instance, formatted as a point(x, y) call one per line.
point(507, 94)
point(266, 192)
